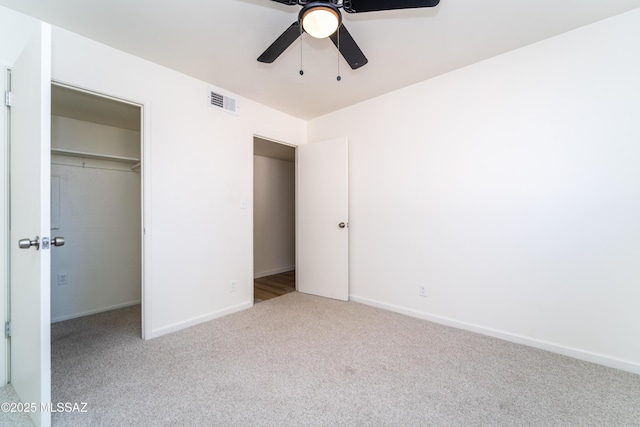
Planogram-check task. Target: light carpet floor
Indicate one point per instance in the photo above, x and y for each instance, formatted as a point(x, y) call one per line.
point(11, 417)
point(300, 360)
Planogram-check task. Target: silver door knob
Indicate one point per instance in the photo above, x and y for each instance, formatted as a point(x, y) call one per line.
point(342, 225)
point(57, 241)
point(27, 243)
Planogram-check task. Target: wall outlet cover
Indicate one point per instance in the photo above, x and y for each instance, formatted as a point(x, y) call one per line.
point(62, 279)
point(422, 290)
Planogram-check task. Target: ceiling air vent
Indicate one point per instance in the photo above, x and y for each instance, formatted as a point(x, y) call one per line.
point(220, 101)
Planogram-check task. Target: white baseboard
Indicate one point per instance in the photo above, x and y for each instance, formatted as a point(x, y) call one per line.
point(199, 319)
point(576, 353)
point(96, 311)
point(257, 275)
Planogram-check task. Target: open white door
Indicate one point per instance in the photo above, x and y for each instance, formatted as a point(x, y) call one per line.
point(322, 219)
point(30, 219)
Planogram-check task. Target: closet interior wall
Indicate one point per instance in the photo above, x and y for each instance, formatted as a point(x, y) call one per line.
point(96, 206)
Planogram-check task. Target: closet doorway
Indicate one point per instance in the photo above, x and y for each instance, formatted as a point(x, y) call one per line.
point(96, 203)
point(274, 213)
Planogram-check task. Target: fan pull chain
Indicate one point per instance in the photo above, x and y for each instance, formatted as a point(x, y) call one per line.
point(338, 78)
point(301, 71)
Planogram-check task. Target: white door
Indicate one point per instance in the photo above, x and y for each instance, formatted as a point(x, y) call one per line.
point(322, 218)
point(30, 217)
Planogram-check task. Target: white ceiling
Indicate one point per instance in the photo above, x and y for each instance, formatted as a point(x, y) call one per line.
point(218, 41)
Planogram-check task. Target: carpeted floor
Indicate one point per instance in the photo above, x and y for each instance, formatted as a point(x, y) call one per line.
point(300, 360)
point(9, 416)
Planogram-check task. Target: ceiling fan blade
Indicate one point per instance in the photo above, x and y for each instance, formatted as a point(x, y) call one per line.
point(281, 44)
point(348, 48)
point(287, 2)
point(358, 6)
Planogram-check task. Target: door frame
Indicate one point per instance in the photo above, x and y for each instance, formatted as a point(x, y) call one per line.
point(145, 202)
point(5, 260)
point(343, 296)
point(295, 147)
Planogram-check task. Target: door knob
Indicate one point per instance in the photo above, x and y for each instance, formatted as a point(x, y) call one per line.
point(342, 225)
point(57, 241)
point(27, 243)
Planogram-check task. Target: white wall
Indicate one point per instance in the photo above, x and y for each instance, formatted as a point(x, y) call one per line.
point(80, 135)
point(97, 208)
point(274, 216)
point(198, 170)
point(511, 188)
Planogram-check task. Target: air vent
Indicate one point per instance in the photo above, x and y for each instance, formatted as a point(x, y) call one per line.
point(220, 101)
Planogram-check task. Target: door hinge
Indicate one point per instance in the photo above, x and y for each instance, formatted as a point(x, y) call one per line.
point(7, 98)
point(7, 329)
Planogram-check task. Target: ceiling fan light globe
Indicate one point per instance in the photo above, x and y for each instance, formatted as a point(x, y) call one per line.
point(320, 21)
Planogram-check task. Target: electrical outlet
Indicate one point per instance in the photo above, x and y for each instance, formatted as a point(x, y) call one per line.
point(62, 279)
point(232, 288)
point(422, 290)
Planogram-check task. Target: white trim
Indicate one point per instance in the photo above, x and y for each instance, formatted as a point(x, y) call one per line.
point(96, 311)
point(145, 192)
point(576, 353)
point(5, 262)
point(273, 271)
point(145, 182)
point(200, 319)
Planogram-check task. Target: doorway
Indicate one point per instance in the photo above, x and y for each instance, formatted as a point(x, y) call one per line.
point(96, 203)
point(274, 213)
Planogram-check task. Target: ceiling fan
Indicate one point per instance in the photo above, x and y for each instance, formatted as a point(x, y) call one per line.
point(322, 18)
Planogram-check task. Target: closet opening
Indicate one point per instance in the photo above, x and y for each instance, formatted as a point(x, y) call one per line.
point(96, 204)
point(274, 219)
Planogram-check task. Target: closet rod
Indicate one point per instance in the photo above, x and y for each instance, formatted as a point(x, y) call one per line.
point(87, 155)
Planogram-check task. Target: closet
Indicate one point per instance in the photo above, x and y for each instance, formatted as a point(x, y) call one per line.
point(95, 203)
